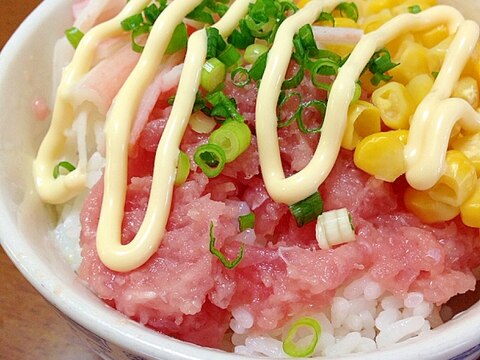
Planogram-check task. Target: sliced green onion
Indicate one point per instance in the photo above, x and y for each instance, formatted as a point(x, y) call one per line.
point(307, 209)
point(233, 137)
point(379, 64)
point(293, 348)
point(230, 56)
point(283, 99)
point(201, 123)
point(64, 165)
point(215, 42)
point(295, 80)
point(136, 33)
point(210, 158)
point(317, 104)
point(435, 74)
point(325, 16)
point(74, 35)
point(246, 221)
point(229, 264)
point(325, 66)
point(201, 15)
point(414, 9)
point(305, 33)
point(241, 37)
point(152, 12)
point(132, 22)
point(258, 68)
point(179, 39)
point(348, 10)
point(240, 77)
point(261, 30)
point(213, 74)
point(252, 52)
point(357, 93)
point(183, 168)
point(224, 106)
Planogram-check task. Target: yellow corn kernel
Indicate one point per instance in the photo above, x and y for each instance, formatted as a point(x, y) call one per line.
point(404, 6)
point(433, 37)
point(394, 46)
point(381, 154)
point(469, 145)
point(413, 59)
point(375, 6)
point(363, 119)
point(395, 105)
point(467, 89)
point(472, 67)
point(457, 182)
point(470, 209)
point(346, 22)
point(427, 209)
point(419, 87)
point(373, 22)
point(436, 55)
point(302, 3)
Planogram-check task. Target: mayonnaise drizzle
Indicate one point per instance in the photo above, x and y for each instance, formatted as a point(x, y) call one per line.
point(433, 119)
point(302, 184)
point(148, 238)
point(66, 187)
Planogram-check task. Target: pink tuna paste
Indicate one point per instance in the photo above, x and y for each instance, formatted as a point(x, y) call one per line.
point(184, 291)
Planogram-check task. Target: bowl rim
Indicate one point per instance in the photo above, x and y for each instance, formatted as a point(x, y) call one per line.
point(100, 319)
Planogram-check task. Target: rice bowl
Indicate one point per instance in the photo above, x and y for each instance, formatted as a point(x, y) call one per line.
point(24, 217)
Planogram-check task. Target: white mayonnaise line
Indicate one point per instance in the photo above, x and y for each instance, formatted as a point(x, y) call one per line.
point(304, 183)
point(66, 187)
point(294, 188)
point(147, 240)
point(432, 123)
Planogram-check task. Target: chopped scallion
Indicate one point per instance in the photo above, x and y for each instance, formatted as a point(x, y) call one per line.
point(325, 16)
point(233, 137)
point(319, 105)
point(210, 158)
point(136, 34)
point(229, 264)
point(414, 9)
point(230, 56)
point(224, 106)
point(295, 80)
point(240, 77)
point(64, 165)
point(282, 101)
point(379, 64)
point(183, 168)
point(246, 221)
point(295, 349)
point(252, 52)
point(348, 10)
point(74, 35)
point(132, 22)
point(213, 74)
point(179, 39)
point(258, 68)
point(307, 209)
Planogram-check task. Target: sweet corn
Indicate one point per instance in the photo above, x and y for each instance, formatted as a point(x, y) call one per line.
point(457, 182)
point(436, 55)
point(375, 6)
point(467, 89)
point(433, 37)
point(472, 68)
point(346, 22)
point(427, 209)
point(470, 209)
point(394, 46)
point(302, 3)
point(395, 105)
point(381, 154)
point(419, 87)
point(413, 59)
point(469, 145)
point(363, 119)
point(373, 22)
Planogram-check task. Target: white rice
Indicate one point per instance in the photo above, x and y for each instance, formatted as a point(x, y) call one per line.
point(362, 317)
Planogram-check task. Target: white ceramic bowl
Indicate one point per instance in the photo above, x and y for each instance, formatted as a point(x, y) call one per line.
point(25, 72)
